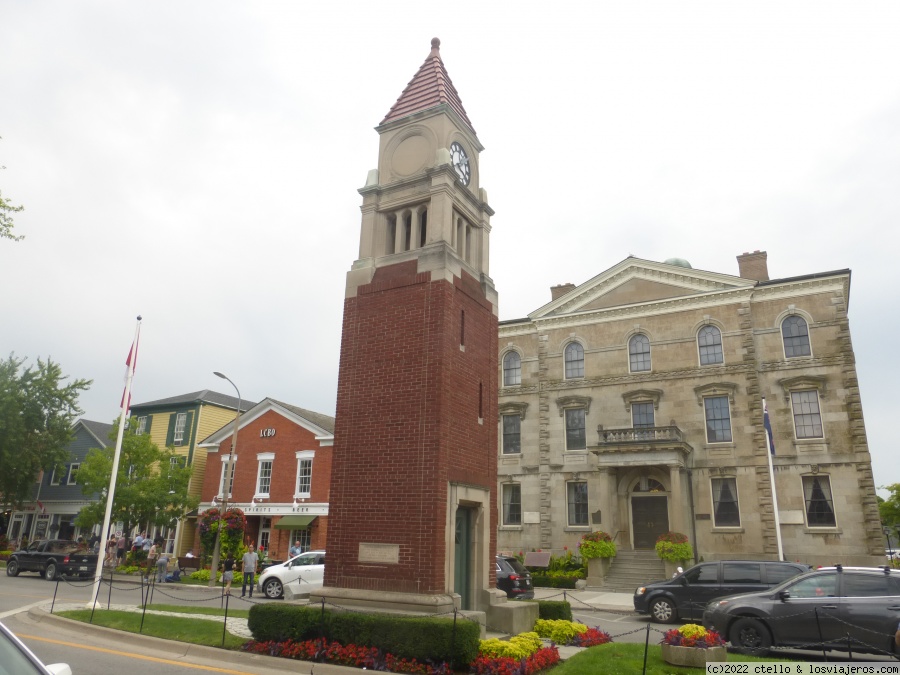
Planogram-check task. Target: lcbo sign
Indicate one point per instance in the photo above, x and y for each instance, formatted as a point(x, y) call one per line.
point(266, 433)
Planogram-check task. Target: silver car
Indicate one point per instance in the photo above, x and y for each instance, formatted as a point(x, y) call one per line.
point(17, 659)
point(301, 575)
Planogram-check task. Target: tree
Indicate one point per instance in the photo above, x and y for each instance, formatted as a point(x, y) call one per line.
point(151, 485)
point(37, 411)
point(6, 221)
point(889, 509)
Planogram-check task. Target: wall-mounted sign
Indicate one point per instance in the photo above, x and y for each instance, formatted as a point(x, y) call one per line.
point(266, 433)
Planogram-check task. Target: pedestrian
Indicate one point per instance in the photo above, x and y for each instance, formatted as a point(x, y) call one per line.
point(295, 550)
point(248, 566)
point(120, 549)
point(151, 559)
point(228, 573)
point(678, 570)
point(111, 551)
point(138, 543)
point(147, 543)
point(162, 565)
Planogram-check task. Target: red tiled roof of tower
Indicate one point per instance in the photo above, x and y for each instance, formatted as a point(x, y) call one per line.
point(431, 86)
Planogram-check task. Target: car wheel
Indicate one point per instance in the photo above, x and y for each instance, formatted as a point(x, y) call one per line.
point(273, 589)
point(50, 572)
point(750, 636)
point(663, 611)
point(12, 568)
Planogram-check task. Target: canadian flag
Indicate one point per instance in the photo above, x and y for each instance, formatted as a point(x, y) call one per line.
point(41, 506)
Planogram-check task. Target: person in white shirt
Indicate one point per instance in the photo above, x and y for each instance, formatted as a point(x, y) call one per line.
point(295, 550)
point(248, 565)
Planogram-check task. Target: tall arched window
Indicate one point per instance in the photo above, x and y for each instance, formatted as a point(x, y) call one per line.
point(639, 353)
point(574, 360)
point(709, 340)
point(512, 369)
point(795, 334)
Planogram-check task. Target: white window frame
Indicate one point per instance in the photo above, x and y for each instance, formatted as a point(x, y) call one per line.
point(794, 414)
point(54, 479)
point(178, 432)
point(262, 459)
point(141, 425)
point(569, 503)
point(721, 345)
point(566, 412)
point(632, 353)
point(503, 417)
point(512, 377)
point(234, 460)
point(506, 503)
point(73, 469)
point(304, 457)
point(829, 498)
point(808, 337)
point(730, 416)
point(578, 373)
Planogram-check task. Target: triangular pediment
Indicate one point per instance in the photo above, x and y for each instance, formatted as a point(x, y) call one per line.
point(634, 282)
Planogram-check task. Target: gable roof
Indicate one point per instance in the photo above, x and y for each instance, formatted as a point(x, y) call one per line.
point(204, 396)
point(99, 430)
point(635, 281)
point(430, 87)
point(319, 424)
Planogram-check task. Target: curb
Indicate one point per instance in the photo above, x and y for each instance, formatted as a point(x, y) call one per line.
point(180, 650)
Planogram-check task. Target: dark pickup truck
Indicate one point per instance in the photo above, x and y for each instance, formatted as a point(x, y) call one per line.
point(52, 558)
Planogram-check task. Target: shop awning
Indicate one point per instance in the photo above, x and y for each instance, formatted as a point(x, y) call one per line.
point(294, 522)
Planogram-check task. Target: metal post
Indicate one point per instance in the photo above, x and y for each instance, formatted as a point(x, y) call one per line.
point(55, 591)
point(227, 485)
point(225, 623)
point(646, 648)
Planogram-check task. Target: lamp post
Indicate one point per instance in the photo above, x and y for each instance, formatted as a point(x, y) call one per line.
point(227, 485)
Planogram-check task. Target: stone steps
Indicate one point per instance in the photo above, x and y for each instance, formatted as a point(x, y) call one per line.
point(631, 569)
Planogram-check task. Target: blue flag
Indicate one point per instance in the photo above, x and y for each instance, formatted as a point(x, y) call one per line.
point(768, 427)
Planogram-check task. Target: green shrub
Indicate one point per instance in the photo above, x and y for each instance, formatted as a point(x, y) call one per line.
point(203, 575)
point(559, 630)
point(554, 609)
point(597, 545)
point(517, 647)
point(421, 638)
point(557, 580)
point(674, 547)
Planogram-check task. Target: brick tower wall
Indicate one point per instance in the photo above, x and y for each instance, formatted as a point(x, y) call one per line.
point(407, 425)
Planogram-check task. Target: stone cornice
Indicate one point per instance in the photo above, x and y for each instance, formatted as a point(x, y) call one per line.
point(816, 382)
point(573, 401)
point(640, 395)
point(513, 408)
point(716, 389)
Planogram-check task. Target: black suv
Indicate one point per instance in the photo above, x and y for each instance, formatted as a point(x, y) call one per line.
point(685, 595)
point(849, 608)
point(513, 578)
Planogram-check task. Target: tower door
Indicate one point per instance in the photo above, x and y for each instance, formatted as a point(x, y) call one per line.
point(649, 519)
point(462, 554)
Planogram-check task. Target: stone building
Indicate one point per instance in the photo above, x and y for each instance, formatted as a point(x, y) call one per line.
point(632, 404)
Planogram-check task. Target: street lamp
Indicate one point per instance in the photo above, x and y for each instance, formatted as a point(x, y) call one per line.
point(227, 485)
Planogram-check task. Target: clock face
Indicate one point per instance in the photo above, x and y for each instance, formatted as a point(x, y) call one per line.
point(460, 161)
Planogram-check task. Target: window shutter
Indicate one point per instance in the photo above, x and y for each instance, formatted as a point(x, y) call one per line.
point(170, 434)
point(149, 424)
point(187, 428)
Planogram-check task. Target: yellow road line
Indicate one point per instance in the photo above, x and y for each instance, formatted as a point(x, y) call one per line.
point(155, 659)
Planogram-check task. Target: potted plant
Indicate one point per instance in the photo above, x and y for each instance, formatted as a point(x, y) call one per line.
point(693, 646)
point(598, 549)
point(674, 550)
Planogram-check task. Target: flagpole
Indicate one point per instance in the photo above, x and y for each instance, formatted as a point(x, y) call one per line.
point(769, 454)
point(110, 493)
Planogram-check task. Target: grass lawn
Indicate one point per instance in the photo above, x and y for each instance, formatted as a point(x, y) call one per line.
point(619, 658)
point(198, 632)
point(212, 611)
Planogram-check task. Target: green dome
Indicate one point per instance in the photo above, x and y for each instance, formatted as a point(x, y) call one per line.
point(678, 262)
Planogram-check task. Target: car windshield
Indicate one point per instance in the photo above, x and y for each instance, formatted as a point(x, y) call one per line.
point(305, 559)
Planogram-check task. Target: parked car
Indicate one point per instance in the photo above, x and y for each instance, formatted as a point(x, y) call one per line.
point(685, 595)
point(825, 606)
point(16, 658)
point(302, 574)
point(514, 578)
point(52, 558)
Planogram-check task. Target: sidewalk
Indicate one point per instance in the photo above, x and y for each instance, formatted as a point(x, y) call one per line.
point(589, 599)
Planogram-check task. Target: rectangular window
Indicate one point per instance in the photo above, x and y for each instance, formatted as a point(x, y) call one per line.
point(725, 502)
point(807, 417)
point(512, 504)
point(578, 503)
point(303, 537)
point(73, 472)
point(718, 419)
point(512, 434)
point(642, 418)
point(264, 477)
point(741, 573)
point(575, 436)
point(141, 425)
point(819, 504)
point(225, 486)
point(304, 473)
point(180, 422)
point(54, 477)
point(462, 328)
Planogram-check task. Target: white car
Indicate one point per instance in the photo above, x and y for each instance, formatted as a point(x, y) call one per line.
point(16, 658)
point(301, 574)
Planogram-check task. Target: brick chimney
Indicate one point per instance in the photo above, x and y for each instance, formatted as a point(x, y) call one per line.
point(559, 291)
point(753, 266)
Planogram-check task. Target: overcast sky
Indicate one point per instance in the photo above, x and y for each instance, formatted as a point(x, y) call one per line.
point(198, 163)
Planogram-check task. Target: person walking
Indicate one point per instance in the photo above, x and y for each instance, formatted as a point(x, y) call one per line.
point(120, 550)
point(228, 573)
point(111, 551)
point(151, 559)
point(295, 550)
point(162, 565)
point(248, 566)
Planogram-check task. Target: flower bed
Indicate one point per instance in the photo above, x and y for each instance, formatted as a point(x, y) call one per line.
point(692, 635)
point(542, 659)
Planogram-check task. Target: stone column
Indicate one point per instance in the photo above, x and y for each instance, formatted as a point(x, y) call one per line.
point(676, 502)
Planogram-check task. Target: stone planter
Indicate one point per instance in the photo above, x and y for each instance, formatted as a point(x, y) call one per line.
point(693, 657)
point(598, 570)
point(671, 567)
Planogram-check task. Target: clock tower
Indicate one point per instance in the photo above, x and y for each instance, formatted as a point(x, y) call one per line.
point(413, 514)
